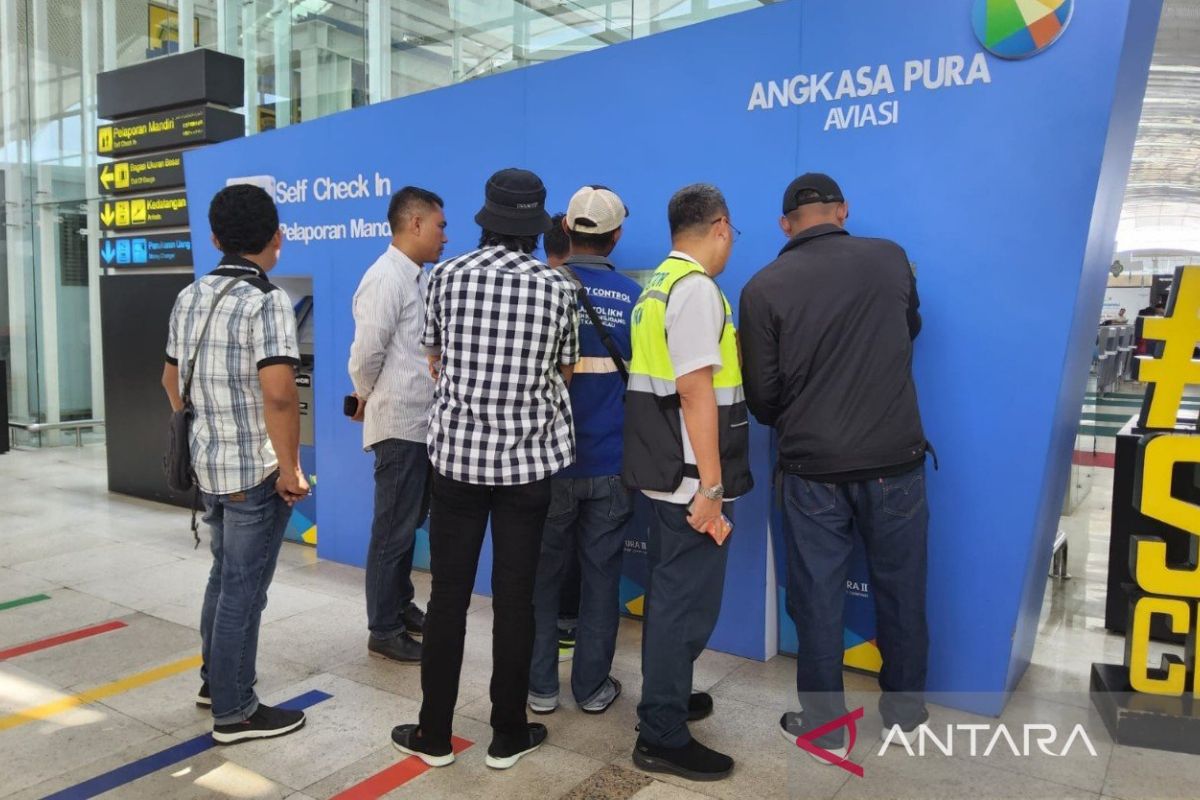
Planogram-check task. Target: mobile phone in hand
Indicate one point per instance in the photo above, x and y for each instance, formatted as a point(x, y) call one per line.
point(349, 405)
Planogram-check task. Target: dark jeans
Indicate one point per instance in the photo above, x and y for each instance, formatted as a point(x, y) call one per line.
point(458, 517)
point(568, 601)
point(247, 532)
point(588, 516)
point(891, 516)
point(683, 600)
point(401, 473)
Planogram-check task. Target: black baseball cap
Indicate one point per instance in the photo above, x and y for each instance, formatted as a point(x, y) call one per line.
point(514, 204)
point(826, 188)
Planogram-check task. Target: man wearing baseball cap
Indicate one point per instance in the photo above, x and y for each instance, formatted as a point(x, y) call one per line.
point(501, 337)
point(589, 506)
point(827, 331)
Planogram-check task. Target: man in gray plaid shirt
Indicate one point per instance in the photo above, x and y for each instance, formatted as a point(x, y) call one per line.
point(501, 334)
point(245, 446)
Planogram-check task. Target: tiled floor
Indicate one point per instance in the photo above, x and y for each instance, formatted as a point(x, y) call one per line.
point(101, 557)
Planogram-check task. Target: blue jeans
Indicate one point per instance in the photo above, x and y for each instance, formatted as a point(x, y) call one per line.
point(247, 532)
point(401, 480)
point(588, 515)
point(683, 600)
point(892, 517)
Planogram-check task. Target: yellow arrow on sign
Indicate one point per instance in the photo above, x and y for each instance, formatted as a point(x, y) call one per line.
point(106, 177)
point(107, 216)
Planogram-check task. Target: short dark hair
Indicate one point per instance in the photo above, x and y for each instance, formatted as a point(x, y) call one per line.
point(519, 244)
point(555, 242)
point(694, 207)
point(243, 218)
point(593, 241)
point(407, 202)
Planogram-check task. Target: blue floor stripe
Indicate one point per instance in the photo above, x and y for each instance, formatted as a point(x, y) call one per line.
point(165, 758)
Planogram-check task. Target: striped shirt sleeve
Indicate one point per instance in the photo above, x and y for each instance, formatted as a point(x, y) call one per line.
point(274, 332)
point(173, 336)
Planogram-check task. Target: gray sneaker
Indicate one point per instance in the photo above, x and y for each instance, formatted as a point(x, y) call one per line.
point(601, 700)
point(791, 725)
point(402, 648)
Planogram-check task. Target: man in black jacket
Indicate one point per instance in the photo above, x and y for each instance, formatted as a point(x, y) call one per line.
point(826, 333)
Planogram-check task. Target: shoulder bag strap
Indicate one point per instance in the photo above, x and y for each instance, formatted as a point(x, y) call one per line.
point(191, 364)
point(606, 339)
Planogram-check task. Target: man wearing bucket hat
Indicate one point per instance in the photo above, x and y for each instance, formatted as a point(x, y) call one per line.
point(501, 336)
point(589, 506)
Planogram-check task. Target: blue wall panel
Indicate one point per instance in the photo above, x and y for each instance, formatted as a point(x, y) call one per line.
point(993, 188)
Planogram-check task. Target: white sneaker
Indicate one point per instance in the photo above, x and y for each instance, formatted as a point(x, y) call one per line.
point(897, 735)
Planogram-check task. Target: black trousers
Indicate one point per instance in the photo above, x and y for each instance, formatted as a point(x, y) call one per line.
point(458, 518)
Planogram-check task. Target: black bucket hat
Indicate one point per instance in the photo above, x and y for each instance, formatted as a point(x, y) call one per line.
point(514, 204)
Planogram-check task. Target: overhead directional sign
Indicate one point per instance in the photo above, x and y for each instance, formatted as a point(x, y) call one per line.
point(157, 211)
point(151, 250)
point(167, 129)
point(147, 173)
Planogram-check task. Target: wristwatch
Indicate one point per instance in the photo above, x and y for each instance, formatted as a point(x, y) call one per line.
point(712, 492)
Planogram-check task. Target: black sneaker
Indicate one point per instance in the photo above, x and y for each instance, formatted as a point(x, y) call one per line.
point(693, 761)
point(266, 723)
point(402, 648)
point(414, 620)
point(700, 705)
point(407, 739)
point(503, 754)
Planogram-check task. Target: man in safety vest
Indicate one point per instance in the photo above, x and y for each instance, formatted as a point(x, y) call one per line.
point(686, 442)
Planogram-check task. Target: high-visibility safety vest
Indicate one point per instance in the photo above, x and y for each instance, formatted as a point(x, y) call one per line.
point(653, 436)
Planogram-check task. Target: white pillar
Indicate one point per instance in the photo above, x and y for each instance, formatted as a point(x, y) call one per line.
point(187, 25)
point(108, 11)
point(282, 40)
point(379, 50)
point(250, 57)
point(16, 212)
point(46, 246)
point(91, 64)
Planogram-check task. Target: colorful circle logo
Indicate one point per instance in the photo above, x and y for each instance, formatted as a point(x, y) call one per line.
point(1020, 28)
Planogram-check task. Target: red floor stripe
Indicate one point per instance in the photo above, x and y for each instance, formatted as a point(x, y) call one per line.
point(394, 776)
point(1095, 459)
point(62, 638)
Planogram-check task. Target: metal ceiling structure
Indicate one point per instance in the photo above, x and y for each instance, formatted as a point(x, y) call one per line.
point(1162, 201)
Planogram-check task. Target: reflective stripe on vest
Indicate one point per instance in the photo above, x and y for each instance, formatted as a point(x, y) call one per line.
point(653, 430)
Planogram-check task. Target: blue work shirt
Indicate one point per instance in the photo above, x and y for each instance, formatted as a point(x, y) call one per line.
point(597, 391)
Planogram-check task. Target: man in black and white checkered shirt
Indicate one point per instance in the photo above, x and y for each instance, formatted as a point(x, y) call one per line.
point(502, 335)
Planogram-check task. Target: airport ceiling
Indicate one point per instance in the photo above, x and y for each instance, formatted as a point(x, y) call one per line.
point(1162, 200)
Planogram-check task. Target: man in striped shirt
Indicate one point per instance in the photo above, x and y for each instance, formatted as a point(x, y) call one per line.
point(394, 389)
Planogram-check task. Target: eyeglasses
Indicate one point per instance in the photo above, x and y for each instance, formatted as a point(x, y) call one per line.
point(728, 221)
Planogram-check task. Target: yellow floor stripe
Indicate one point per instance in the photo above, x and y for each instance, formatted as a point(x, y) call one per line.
point(99, 693)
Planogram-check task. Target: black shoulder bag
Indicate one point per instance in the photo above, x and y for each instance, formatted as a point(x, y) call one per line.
point(606, 339)
point(177, 463)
